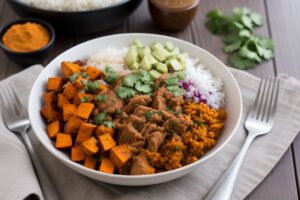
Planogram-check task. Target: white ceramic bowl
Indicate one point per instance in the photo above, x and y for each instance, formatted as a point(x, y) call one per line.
point(82, 52)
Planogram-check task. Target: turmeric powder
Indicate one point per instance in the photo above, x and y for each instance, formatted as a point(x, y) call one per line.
point(26, 37)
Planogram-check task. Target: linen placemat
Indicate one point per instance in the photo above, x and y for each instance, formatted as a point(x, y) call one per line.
point(264, 153)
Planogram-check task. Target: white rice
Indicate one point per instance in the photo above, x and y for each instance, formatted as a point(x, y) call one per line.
point(208, 85)
point(70, 5)
point(111, 57)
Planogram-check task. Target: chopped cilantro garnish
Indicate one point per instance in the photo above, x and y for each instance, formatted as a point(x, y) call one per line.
point(73, 77)
point(91, 87)
point(176, 90)
point(171, 80)
point(101, 98)
point(148, 115)
point(125, 92)
point(109, 124)
point(84, 99)
point(144, 88)
point(110, 75)
point(98, 119)
point(84, 75)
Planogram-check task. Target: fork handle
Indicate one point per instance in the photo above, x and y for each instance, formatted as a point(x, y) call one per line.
point(43, 178)
point(223, 188)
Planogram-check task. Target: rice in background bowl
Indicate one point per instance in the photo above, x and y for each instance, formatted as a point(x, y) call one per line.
point(233, 104)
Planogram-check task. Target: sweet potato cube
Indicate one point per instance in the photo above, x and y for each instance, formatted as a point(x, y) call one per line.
point(90, 146)
point(73, 124)
point(78, 83)
point(63, 141)
point(84, 110)
point(106, 142)
point(120, 155)
point(86, 131)
point(69, 68)
point(69, 91)
point(107, 166)
point(49, 113)
point(93, 72)
point(77, 154)
point(62, 100)
point(68, 111)
point(104, 130)
point(54, 83)
point(103, 87)
point(53, 128)
point(90, 162)
point(82, 96)
point(50, 98)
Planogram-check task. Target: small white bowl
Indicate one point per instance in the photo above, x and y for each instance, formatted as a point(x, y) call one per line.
point(83, 51)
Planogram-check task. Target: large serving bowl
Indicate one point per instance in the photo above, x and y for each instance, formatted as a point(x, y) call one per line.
point(83, 51)
point(79, 22)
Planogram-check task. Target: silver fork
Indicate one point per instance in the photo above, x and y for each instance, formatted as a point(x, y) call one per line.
point(259, 122)
point(16, 120)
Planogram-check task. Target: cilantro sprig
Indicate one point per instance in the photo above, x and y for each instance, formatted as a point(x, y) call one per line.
point(110, 76)
point(246, 49)
point(172, 85)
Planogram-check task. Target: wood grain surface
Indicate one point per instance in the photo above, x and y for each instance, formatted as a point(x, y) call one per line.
point(281, 23)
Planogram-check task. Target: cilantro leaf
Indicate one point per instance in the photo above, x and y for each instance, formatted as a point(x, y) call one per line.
point(266, 43)
point(110, 75)
point(240, 62)
point(144, 88)
point(73, 77)
point(176, 90)
point(109, 124)
point(232, 47)
point(91, 87)
point(84, 75)
point(148, 115)
point(256, 18)
point(171, 80)
point(98, 119)
point(126, 92)
point(246, 52)
point(101, 98)
point(130, 80)
point(84, 99)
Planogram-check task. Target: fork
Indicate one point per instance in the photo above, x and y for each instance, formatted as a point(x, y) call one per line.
point(16, 120)
point(259, 122)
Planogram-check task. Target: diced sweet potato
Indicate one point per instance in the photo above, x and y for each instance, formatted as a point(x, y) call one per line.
point(103, 87)
point(77, 154)
point(90, 146)
point(69, 91)
point(120, 155)
point(84, 110)
point(106, 142)
point(53, 128)
point(90, 162)
point(93, 72)
point(63, 141)
point(78, 83)
point(50, 98)
point(104, 130)
point(50, 114)
point(86, 131)
point(73, 124)
point(69, 68)
point(68, 111)
point(62, 100)
point(79, 96)
point(54, 83)
point(107, 166)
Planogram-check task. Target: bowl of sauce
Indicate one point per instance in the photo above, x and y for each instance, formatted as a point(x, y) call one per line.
point(173, 15)
point(27, 41)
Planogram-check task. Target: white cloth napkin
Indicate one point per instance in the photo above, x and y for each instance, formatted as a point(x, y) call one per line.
point(17, 179)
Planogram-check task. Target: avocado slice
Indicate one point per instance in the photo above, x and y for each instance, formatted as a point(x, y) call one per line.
point(155, 74)
point(146, 63)
point(169, 46)
point(161, 67)
point(138, 43)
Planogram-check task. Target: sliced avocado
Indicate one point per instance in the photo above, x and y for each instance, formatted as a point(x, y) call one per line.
point(161, 67)
point(152, 60)
point(180, 75)
point(135, 66)
point(146, 63)
point(131, 56)
point(161, 54)
point(155, 74)
point(137, 43)
point(169, 46)
point(175, 51)
point(144, 51)
point(156, 46)
point(176, 65)
point(182, 58)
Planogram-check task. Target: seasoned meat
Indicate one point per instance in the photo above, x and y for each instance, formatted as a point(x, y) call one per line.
point(149, 114)
point(150, 128)
point(140, 166)
point(112, 104)
point(161, 79)
point(129, 135)
point(166, 114)
point(134, 119)
point(155, 140)
point(176, 102)
point(137, 100)
point(159, 102)
point(178, 124)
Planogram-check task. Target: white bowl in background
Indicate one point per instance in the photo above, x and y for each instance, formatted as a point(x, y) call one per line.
point(82, 52)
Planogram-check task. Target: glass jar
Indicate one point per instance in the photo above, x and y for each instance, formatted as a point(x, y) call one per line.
point(173, 15)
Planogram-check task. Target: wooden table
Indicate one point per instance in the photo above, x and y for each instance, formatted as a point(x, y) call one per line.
point(281, 24)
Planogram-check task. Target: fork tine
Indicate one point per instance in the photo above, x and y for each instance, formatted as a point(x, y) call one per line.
point(18, 102)
point(255, 105)
point(8, 98)
point(260, 98)
point(274, 100)
point(267, 100)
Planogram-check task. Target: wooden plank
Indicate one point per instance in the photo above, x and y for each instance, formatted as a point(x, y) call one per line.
point(141, 22)
point(285, 30)
point(213, 44)
point(283, 184)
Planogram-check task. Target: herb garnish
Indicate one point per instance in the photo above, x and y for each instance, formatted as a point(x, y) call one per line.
point(73, 77)
point(246, 48)
point(172, 86)
point(84, 75)
point(109, 124)
point(98, 119)
point(148, 115)
point(110, 75)
point(91, 87)
point(101, 98)
point(84, 99)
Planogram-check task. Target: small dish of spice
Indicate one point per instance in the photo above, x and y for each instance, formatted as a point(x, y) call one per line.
point(27, 41)
point(173, 15)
